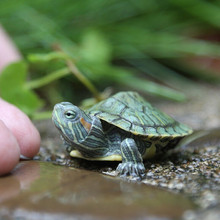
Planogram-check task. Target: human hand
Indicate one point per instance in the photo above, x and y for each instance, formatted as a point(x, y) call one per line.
point(17, 133)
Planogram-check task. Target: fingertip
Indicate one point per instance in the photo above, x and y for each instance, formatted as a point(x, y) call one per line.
point(22, 128)
point(30, 143)
point(9, 150)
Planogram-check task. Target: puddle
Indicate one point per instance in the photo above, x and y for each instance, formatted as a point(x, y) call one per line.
point(41, 190)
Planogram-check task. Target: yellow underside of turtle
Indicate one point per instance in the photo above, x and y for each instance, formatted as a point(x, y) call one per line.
point(149, 153)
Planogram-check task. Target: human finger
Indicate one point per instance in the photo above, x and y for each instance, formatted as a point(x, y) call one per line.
point(9, 150)
point(22, 128)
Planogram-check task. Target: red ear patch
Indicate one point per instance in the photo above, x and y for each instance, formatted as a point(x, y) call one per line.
point(85, 124)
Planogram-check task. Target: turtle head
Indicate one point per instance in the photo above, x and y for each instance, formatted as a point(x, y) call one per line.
point(79, 130)
point(72, 122)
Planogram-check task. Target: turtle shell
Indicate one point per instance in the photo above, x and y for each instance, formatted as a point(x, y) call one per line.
point(130, 112)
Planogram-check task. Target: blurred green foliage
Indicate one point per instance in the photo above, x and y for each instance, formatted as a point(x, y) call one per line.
point(125, 44)
point(13, 88)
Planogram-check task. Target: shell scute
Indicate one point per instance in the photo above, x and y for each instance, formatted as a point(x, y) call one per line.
point(130, 112)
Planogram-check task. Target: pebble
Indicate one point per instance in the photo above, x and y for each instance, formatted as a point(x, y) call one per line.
point(193, 177)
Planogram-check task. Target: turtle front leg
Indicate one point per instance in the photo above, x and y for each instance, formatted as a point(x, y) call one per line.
point(132, 162)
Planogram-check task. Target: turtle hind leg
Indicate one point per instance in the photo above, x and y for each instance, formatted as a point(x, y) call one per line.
point(132, 162)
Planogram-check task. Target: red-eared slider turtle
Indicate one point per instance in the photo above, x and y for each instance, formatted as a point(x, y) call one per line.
point(123, 128)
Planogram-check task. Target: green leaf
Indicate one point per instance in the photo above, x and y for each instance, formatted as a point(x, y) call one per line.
point(13, 77)
point(204, 10)
point(95, 48)
point(13, 89)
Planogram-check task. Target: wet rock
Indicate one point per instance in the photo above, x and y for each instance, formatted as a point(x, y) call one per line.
point(40, 190)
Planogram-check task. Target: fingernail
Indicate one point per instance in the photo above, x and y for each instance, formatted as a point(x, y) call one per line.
point(22, 157)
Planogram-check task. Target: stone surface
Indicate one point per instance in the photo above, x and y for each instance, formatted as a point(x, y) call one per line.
point(41, 190)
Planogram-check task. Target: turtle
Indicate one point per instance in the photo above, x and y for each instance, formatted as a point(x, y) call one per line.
point(124, 127)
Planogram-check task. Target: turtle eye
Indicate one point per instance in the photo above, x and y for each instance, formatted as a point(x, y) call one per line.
point(70, 114)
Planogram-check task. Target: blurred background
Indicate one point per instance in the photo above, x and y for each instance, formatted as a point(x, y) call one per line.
point(86, 50)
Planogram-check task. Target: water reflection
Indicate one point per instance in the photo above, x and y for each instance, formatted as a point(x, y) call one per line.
point(9, 187)
point(20, 179)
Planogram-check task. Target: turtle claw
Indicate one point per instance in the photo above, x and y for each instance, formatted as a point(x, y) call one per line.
point(130, 169)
